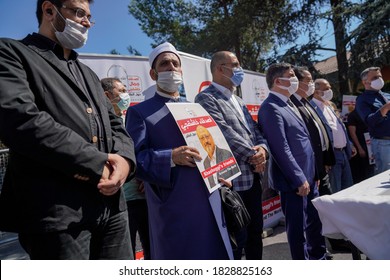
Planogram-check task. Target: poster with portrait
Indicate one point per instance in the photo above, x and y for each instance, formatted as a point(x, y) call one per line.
point(348, 106)
point(371, 158)
point(200, 131)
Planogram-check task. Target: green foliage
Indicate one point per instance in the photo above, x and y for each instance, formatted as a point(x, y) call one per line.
point(257, 30)
point(133, 51)
point(114, 51)
point(248, 28)
point(370, 41)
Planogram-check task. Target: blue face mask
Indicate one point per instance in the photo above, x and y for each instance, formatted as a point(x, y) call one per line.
point(124, 103)
point(238, 76)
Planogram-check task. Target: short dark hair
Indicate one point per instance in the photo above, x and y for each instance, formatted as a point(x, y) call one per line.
point(57, 3)
point(275, 71)
point(299, 72)
point(108, 83)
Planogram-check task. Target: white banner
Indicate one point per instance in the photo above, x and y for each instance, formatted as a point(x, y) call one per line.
point(133, 71)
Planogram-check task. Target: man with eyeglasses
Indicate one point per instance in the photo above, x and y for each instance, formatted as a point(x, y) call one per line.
point(292, 164)
point(318, 129)
point(340, 175)
point(69, 152)
point(245, 141)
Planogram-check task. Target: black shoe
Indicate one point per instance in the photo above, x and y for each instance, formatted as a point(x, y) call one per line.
point(328, 256)
point(340, 245)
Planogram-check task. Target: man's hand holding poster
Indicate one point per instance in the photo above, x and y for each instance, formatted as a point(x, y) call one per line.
point(200, 131)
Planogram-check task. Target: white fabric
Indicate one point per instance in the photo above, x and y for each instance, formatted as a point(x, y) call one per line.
point(339, 137)
point(164, 47)
point(360, 214)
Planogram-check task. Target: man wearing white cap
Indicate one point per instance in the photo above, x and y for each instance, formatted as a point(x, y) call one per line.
point(185, 219)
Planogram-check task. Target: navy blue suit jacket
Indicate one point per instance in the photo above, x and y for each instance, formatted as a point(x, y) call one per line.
point(292, 158)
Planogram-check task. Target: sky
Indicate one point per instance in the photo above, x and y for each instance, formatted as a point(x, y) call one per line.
point(115, 28)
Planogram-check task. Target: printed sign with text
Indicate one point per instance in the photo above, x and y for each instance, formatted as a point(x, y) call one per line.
point(200, 131)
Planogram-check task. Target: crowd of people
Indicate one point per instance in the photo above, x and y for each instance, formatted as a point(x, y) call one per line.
point(87, 172)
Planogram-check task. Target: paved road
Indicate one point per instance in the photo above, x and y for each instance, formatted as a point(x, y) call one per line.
point(275, 247)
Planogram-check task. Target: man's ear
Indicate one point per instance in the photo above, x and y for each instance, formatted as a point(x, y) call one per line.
point(153, 74)
point(47, 9)
point(276, 82)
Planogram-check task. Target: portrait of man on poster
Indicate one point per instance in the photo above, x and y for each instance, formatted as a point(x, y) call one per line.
point(215, 156)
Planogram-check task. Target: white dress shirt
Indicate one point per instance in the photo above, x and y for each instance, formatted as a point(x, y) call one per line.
point(339, 137)
point(232, 100)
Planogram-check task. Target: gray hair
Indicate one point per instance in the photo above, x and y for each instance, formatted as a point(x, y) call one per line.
point(364, 74)
point(318, 82)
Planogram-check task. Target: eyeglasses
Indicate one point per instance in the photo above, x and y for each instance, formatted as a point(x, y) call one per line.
point(81, 14)
point(235, 64)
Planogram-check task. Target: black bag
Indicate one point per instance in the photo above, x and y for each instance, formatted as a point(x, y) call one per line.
point(236, 214)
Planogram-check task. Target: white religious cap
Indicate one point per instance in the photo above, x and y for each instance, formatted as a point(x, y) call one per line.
point(164, 47)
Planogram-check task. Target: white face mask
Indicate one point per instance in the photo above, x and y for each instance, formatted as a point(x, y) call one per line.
point(124, 101)
point(377, 84)
point(310, 89)
point(169, 81)
point(328, 95)
point(294, 84)
point(74, 35)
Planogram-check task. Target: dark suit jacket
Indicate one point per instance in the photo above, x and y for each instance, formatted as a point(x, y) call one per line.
point(322, 157)
point(221, 155)
point(292, 158)
point(46, 121)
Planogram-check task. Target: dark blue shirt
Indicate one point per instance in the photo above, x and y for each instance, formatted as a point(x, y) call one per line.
point(368, 107)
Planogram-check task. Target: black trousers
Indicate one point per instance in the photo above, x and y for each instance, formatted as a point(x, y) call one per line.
point(324, 186)
point(139, 222)
point(250, 239)
point(108, 238)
